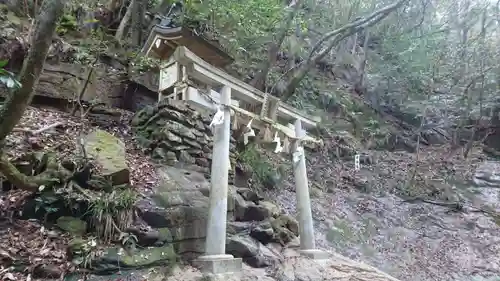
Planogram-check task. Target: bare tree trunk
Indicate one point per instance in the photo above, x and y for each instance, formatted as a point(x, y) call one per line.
point(482, 54)
point(138, 9)
point(124, 22)
point(259, 81)
point(360, 85)
point(16, 104)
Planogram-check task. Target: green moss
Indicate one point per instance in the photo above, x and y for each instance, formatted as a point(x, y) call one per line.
point(108, 150)
point(117, 259)
point(72, 225)
point(165, 235)
point(261, 168)
point(146, 257)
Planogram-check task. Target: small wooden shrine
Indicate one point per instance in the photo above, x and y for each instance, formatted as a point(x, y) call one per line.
point(192, 73)
point(162, 42)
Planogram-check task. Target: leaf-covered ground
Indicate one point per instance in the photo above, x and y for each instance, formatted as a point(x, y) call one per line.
point(64, 139)
point(27, 242)
point(370, 214)
point(333, 183)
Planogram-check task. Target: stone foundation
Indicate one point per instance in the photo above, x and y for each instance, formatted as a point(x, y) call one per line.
point(177, 135)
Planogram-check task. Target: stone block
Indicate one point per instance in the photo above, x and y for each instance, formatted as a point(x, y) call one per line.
point(219, 264)
point(314, 254)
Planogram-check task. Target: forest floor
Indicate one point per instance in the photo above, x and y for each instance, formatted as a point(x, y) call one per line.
point(352, 209)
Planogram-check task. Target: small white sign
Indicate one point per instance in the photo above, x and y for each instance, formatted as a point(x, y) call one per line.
point(357, 165)
point(277, 140)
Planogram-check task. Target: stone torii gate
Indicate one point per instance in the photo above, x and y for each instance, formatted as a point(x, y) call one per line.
point(185, 76)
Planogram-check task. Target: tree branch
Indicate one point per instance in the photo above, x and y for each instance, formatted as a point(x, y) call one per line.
point(259, 81)
point(31, 183)
point(367, 21)
point(335, 36)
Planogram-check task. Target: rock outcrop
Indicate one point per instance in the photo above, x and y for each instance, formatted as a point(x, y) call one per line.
point(257, 230)
point(291, 268)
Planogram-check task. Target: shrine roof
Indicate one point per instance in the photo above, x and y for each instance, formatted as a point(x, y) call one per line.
point(173, 37)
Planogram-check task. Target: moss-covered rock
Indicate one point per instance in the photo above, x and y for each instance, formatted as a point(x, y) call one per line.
point(286, 228)
point(109, 152)
point(72, 225)
point(164, 235)
point(271, 208)
point(116, 258)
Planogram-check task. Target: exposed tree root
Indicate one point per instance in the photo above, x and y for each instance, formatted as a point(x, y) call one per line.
point(52, 174)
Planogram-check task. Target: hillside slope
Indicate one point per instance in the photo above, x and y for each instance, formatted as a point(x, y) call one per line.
point(416, 216)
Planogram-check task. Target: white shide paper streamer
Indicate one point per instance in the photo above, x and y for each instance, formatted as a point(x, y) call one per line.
point(249, 132)
point(277, 140)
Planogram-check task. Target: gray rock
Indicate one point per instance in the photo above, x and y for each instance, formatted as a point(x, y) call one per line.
point(250, 195)
point(109, 152)
point(263, 233)
point(252, 252)
point(115, 259)
point(179, 205)
point(184, 157)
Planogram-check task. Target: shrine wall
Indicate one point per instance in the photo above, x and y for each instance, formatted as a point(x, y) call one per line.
point(176, 134)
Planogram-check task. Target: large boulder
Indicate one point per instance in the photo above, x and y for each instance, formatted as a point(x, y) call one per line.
point(61, 81)
point(179, 204)
point(263, 232)
point(251, 211)
point(109, 153)
point(286, 228)
point(335, 268)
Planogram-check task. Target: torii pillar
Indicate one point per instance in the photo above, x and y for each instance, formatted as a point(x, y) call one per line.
point(215, 260)
point(306, 227)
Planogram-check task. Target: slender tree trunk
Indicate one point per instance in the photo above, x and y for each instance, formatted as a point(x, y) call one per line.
point(138, 9)
point(18, 101)
point(123, 23)
point(16, 104)
point(361, 83)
